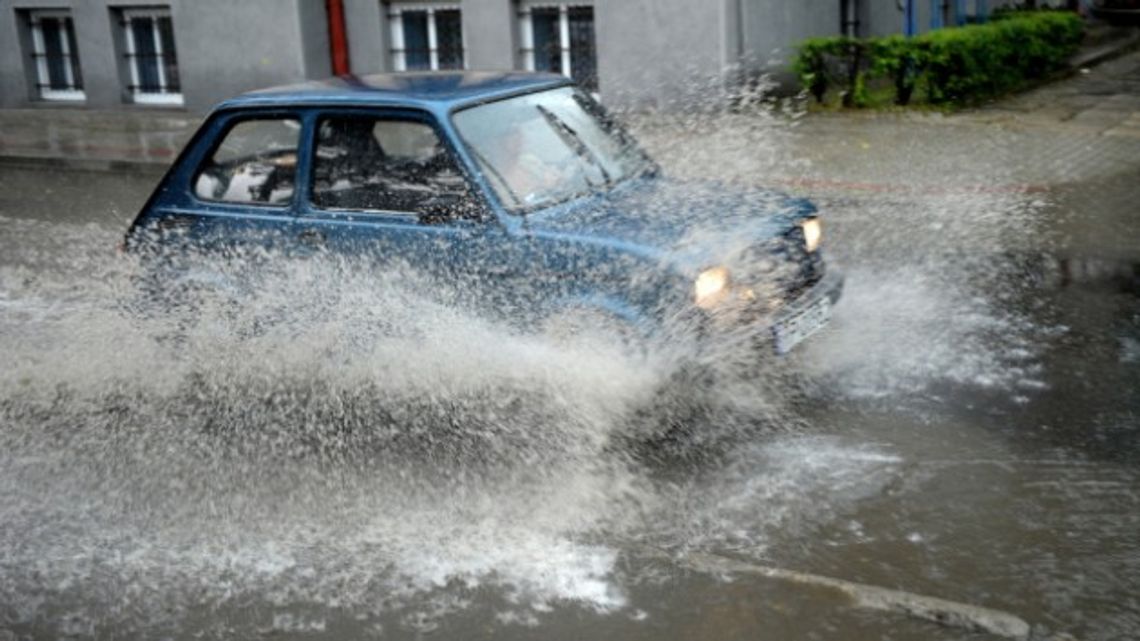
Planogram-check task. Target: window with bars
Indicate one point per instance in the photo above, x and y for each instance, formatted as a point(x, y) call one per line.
point(55, 56)
point(152, 60)
point(425, 36)
point(559, 38)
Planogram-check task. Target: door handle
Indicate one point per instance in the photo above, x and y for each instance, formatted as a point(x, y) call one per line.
point(312, 238)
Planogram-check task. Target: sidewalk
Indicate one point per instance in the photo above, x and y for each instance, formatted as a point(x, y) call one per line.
point(1104, 100)
point(93, 140)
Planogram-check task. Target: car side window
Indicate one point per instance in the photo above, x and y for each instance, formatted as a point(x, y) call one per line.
point(256, 163)
point(386, 164)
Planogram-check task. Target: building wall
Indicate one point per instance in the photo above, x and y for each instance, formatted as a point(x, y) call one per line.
point(489, 34)
point(227, 47)
point(880, 18)
point(772, 29)
point(223, 48)
point(313, 21)
point(94, 38)
point(649, 51)
point(660, 51)
point(367, 27)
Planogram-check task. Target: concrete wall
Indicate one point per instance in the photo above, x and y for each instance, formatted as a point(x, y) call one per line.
point(772, 29)
point(227, 47)
point(661, 51)
point(313, 44)
point(649, 51)
point(223, 47)
point(880, 18)
point(367, 25)
point(489, 34)
point(94, 37)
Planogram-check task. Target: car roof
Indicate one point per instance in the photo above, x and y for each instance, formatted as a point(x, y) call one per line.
point(431, 90)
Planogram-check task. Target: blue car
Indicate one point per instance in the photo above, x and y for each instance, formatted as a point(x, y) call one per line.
point(517, 190)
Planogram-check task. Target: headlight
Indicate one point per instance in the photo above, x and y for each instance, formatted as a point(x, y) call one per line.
point(711, 286)
point(813, 233)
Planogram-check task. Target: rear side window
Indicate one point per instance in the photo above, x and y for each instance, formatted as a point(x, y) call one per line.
point(383, 164)
point(256, 163)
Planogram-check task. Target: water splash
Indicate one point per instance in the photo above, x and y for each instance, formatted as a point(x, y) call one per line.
point(363, 452)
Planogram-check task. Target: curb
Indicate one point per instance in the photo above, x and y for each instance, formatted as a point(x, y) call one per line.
point(104, 165)
point(965, 617)
point(1113, 49)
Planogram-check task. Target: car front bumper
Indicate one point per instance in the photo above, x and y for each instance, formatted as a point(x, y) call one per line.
point(795, 319)
point(806, 314)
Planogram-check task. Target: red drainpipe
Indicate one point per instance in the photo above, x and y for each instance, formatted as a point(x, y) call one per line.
point(338, 37)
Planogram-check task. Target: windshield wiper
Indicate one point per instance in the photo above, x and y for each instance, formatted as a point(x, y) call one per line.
point(571, 137)
point(482, 160)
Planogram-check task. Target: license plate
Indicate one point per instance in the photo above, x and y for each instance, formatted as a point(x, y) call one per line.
point(792, 331)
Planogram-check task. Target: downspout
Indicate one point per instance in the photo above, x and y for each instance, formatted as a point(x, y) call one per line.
point(338, 37)
point(731, 16)
point(850, 23)
point(740, 47)
point(936, 9)
point(742, 73)
point(910, 17)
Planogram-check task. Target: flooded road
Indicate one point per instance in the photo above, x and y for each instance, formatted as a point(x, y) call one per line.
point(967, 428)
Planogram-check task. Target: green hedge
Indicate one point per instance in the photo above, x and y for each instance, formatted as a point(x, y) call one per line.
point(955, 66)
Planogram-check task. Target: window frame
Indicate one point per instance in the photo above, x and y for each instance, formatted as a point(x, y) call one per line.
point(130, 52)
point(397, 49)
point(525, 21)
point(219, 135)
point(308, 208)
point(71, 66)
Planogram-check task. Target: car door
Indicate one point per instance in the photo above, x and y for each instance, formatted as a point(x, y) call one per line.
point(384, 187)
point(228, 205)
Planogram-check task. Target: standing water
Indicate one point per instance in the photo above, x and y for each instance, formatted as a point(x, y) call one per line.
point(335, 454)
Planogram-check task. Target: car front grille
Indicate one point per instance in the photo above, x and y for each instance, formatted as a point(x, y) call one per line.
point(780, 269)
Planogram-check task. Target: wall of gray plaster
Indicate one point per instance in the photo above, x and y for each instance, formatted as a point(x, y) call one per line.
point(880, 18)
point(94, 39)
point(227, 47)
point(316, 55)
point(489, 34)
point(660, 52)
point(368, 48)
point(488, 27)
point(771, 29)
point(224, 48)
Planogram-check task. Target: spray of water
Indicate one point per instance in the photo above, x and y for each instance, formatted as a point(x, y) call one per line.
point(333, 440)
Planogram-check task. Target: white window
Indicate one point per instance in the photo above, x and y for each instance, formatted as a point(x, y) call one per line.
point(559, 37)
point(425, 36)
point(56, 58)
point(148, 43)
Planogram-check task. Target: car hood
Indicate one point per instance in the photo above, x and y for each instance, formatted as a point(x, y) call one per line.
point(681, 221)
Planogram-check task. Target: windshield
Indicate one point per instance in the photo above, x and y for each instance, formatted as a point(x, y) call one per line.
point(548, 147)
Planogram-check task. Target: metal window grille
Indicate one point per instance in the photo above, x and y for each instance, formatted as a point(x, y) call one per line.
point(583, 52)
point(55, 56)
point(559, 37)
point(148, 38)
point(426, 37)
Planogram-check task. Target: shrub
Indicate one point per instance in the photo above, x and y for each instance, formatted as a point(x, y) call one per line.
point(956, 66)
